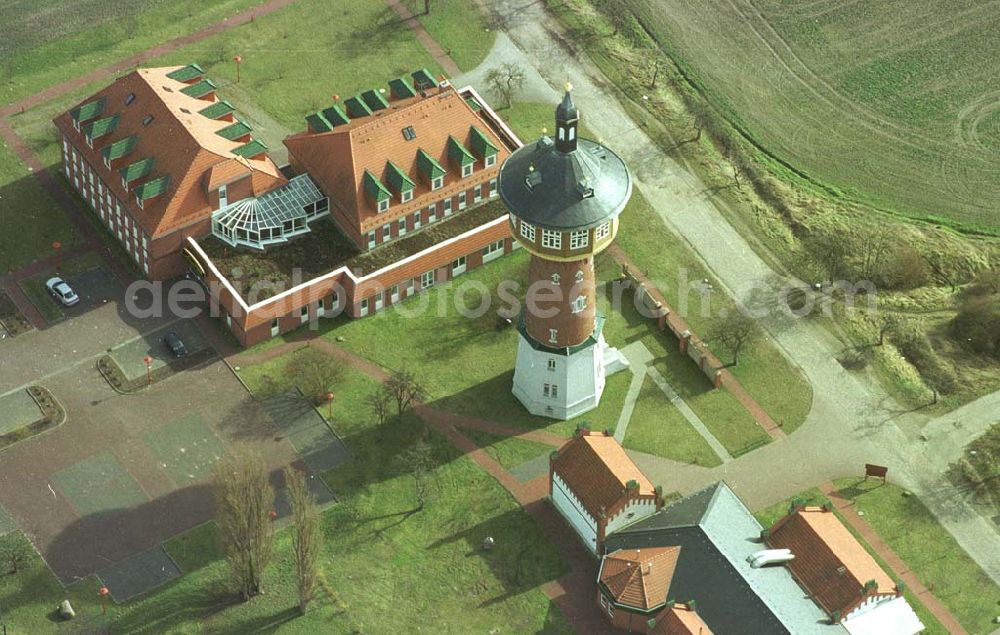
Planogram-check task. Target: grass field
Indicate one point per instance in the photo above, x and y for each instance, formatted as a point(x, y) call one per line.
point(924, 545)
point(459, 27)
point(39, 48)
point(658, 427)
point(892, 102)
point(509, 452)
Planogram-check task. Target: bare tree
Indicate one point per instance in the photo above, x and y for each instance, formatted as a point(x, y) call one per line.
point(417, 461)
point(307, 538)
point(936, 265)
point(734, 333)
point(380, 402)
point(506, 80)
point(244, 503)
point(830, 253)
point(617, 14)
point(404, 389)
point(701, 115)
point(15, 552)
point(871, 246)
point(314, 372)
point(738, 163)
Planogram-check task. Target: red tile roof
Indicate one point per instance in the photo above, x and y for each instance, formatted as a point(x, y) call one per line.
point(183, 143)
point(596, 469)
point(337, 159)
point(829, 561)
point(680, 619)
point(639, 578)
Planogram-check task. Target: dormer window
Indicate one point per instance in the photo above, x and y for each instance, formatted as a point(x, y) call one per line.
point(579, 239)
point(533, 180)
point(491, 160)
point(438, 183)
point(383, 205)
point(148, 119)
point(406, 196)
point(409, 133)
point(129, 99)
point(528, 231)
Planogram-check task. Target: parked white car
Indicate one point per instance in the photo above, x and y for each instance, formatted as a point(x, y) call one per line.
point(61, 291)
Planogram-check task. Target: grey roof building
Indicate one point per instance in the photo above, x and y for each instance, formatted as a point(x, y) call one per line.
point(716, 532)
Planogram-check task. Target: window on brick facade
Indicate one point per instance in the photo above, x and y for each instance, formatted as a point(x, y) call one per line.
point(528, 231)
point(551, 239)
point(579, 239)
point(401, 226)
point(386, 233)
point(553, 335)
point(427, 279)
point(579, 304)
point(461, 200)
point(602, 231)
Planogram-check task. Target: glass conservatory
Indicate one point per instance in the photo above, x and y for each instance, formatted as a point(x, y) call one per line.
point(271, 218)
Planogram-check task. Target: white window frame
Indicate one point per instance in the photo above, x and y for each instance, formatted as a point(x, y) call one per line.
point(383, 206)
point(379, 300)
point(432, 212)
point(406, 195)
point(579, 239)
point(304, 313)
point(552, 365)
point(493, 188)
point(458, 266)
point(491, 160)
point(394, 293)
point(275, 327)
point(371, 239)
point(603, 231)
point(223, 196)
point(477, 193)
point(364, 306)
point(493, 251)
point(386, 232)
point(401, 227)
point(427, 279)
point(554, 336)
point(579, 303)
point(437, 183)
point(461, 200)
point(467, 170)
point(551, 239)
point(417, 219)
point(447, 207)
point(410, 285)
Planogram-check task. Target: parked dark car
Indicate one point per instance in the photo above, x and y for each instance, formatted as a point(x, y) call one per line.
point(175, 344)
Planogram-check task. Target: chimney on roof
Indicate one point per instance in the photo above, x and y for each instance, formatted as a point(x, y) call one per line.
point(649, 568)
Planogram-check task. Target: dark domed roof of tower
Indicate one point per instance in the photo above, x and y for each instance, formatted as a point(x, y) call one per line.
point(565, 184)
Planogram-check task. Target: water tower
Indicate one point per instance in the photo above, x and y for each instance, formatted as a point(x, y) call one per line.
point(564, 195)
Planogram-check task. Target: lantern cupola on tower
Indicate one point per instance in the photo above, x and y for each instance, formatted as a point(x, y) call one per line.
point(567, 119)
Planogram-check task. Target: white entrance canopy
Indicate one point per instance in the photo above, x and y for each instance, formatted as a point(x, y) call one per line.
point(894, 617)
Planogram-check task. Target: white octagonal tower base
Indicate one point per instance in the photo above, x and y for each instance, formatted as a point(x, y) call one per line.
point(578, 377)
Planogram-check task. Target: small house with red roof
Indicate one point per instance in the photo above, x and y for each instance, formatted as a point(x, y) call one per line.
point(840, 575)
point(595, 485)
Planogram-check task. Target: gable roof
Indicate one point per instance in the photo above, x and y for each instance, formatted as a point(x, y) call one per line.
point(338, 155)
point(716, 532)
point(829, 561)
point(165, 137)
point(597, 469)
point(680, 619)
point(639, 578)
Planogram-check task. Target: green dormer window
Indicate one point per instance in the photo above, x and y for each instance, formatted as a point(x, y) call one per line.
point(483, 147)
point(187, 73)
point(423, 79)
point(356, 107)
point(399, 181)
point(318, 123)
point(430, 168)
point(374, 100)
point(137, 170)
point(118, 149)
point(462, 157)
point(218, 110)
point(335, 115)
point(99, 128)
point(378, 192)
point(401, 88)
point(88, 111)
point(199, 90)
point(151, 189)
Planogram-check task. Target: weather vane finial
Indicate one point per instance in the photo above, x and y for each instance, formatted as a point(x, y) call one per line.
point(569, 87)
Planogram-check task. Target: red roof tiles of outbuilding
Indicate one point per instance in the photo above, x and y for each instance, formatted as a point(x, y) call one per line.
point(639, 578)
point(597, 469)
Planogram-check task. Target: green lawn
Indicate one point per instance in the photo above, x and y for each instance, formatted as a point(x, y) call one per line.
point(658, 427)
point(774, 382)
point(509, 452)
point(30, 221)
point(68, 39)
point(924, 545)
point(461, 30)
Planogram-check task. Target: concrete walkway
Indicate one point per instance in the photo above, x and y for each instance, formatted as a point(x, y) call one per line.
point(692, 418)
point(638, 357)
point(852, 421)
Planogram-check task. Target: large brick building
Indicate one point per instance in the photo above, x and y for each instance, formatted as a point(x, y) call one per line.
point(154, 154)
point(387, 193)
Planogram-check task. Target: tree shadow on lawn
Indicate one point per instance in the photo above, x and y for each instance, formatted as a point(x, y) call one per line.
point(521, 558)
